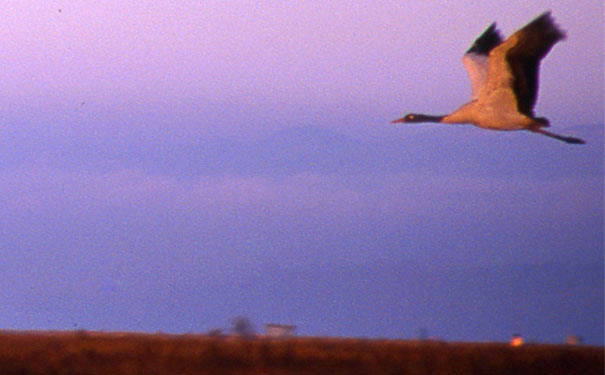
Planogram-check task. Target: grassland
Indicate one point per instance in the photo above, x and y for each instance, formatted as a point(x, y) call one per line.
point(90, 353)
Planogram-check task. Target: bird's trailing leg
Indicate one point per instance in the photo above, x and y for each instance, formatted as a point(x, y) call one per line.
point(565, 139)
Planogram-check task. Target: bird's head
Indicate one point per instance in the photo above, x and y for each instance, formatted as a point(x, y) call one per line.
point(416, 117)
point(410, 117)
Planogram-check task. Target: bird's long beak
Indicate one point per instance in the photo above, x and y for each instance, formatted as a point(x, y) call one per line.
point(398, 120)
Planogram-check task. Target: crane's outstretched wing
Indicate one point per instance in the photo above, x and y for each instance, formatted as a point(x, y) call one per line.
point(475, 59)
point(527, 47)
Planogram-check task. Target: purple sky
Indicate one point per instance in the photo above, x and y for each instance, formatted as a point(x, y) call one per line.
point(167, 167)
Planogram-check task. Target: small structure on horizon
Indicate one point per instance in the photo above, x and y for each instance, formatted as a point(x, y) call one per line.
point(274, 330)
point(423, 334)
point(242, 327)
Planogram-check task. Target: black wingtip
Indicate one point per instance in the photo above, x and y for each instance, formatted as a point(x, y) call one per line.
point(489, 39)
point(546, 23)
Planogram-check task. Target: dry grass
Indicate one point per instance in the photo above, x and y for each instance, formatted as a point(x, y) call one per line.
point(112, 353)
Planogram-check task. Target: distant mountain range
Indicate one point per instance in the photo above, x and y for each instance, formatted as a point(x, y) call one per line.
point(313, 149)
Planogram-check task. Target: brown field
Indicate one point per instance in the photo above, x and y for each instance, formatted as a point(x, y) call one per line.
point(91, 353)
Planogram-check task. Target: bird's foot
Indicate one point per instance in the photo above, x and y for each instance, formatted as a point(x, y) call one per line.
point(574, 140)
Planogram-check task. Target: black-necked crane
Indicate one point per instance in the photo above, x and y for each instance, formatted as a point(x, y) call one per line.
point(504, 80)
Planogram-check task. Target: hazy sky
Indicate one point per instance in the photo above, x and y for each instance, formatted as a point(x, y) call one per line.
point(169, 165)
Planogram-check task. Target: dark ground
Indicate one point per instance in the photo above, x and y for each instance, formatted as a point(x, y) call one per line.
point(91, 353)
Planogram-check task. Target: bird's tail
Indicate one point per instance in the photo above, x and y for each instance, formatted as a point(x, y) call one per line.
point(542, 122)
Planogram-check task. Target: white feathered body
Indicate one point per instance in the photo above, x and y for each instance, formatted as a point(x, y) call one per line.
point(493, 103)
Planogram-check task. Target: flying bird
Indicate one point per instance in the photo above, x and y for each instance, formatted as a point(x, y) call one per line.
point(504, 80)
